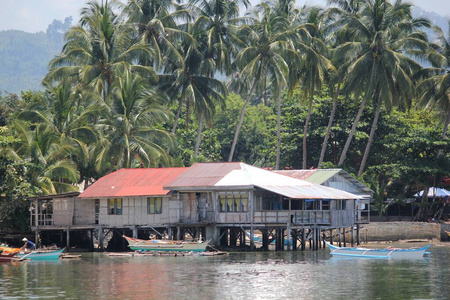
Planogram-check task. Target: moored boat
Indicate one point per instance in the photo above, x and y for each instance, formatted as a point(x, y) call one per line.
point(8, 253)
point(42, 254)
point(407, 253)
point(165, 245)
point(7, 257)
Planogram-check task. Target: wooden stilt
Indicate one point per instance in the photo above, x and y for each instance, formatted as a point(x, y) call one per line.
point(345, 242)
point(358, 236)
point(352, 235)
point(68, 239)
point(288, 236)
point(340, 235)
point(303, 246)
point(135, 232)
point(252, 238)
point(265, 237)
point(331, 237)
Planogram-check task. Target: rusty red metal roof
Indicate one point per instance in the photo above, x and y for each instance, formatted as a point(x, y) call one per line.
point(204, 174)
point(133, 182)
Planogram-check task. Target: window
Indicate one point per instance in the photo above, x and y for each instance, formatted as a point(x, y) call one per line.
point(232, 203)
point(325, 204)
point(154, 205)
point(341, 204)
point(115, 206)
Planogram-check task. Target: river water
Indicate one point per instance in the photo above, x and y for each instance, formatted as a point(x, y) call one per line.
point(249, 275)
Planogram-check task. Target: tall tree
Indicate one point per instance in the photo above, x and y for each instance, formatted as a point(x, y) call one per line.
point(130, 126)
point(270, 46)
point(434, 89)
point(379, 66)
point(314, 66)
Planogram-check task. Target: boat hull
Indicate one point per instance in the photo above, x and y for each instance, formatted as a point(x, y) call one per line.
point(162, 245)
point(8, 257)
point(412, 253)
point(44, 255)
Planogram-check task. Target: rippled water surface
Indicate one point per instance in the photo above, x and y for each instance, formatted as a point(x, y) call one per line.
point(283, 275)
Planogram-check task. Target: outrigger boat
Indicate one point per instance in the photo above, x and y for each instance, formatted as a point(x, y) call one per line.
point(165, 245)
point(378, 253)
point(47, 255)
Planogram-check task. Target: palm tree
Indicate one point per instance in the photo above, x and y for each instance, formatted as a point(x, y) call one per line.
point(270, 47)
point(155, 24)
point(96, 49)
point(129, 126)
point(336, 17)
point(434, 89)
point(378, 66)
point(314, 65)
point(190, 81)
point(217, 22)
point(215, 30)
point(68, 113)
point(47, 156)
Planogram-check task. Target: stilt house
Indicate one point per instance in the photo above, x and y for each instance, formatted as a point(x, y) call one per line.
point(218, 201)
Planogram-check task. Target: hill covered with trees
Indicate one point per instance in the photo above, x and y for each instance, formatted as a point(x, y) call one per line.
point(24, 56)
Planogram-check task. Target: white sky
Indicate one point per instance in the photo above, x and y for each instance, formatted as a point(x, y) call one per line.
point(36, 15)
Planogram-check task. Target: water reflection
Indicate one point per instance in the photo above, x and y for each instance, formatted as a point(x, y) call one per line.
point(288, 275)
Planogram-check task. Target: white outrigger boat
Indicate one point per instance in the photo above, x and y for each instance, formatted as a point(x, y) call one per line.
point(165, 245)
point(378, 253)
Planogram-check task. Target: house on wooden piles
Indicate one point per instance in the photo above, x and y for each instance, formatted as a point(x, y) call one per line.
point(217, 201)
point(245, 198)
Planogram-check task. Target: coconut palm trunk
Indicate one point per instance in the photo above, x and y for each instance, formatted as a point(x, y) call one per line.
point(199, 135)
point(305, 131)
point(277, 164)
point(371, 136)
point(241, 120)
point(444, 133)
point(352, 131)
point(330, 124)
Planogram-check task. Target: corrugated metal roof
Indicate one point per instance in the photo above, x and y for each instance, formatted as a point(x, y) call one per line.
point(228, 175)
point(203, 175)
point(133, 182)
point(319, 176)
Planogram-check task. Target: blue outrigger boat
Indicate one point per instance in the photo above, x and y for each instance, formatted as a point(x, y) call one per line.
point(378, 253)
point(47, 255)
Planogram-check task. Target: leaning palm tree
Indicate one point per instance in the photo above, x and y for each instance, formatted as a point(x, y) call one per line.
point(129, 127)
point(96, 49)
point(336, 18)
point(378, 65)
point(314, 66)
point(270, 46)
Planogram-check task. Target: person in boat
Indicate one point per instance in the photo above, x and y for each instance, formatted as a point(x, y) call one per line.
point(28, 245)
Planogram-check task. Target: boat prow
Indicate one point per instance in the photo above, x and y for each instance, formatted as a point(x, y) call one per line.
point(408, 253)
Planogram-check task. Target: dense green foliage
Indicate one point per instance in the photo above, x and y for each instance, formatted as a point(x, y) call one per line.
point(138, 89)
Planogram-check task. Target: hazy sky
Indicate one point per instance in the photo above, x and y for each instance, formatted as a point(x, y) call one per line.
point(36, 15)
